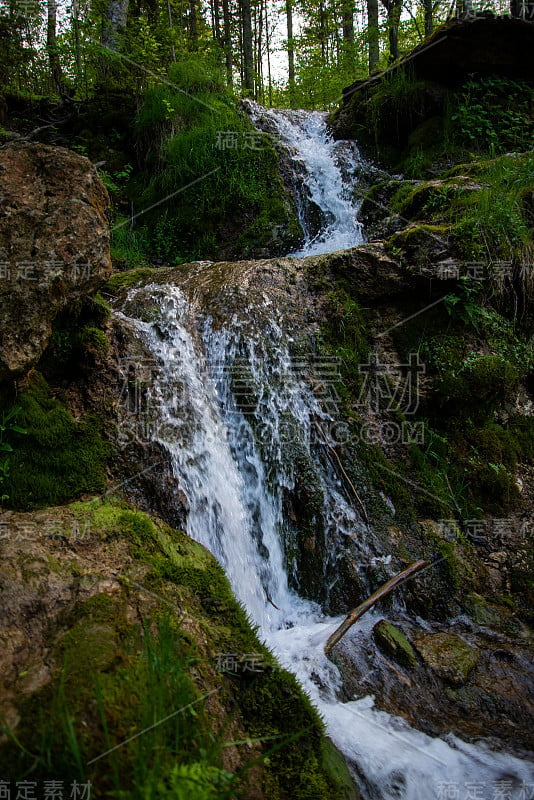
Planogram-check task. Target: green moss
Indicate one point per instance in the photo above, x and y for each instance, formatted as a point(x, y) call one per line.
point(346, 337)
point(336, 768)
point(274, 704)
point(394, 643)
point(429, 199)
point(125, 280)
point(306, 550)
point(481, 386)
point(417, 243)
point(237, 199)
point(59, 458)
point(92, 337)
point(522, 430)
point(497, 614)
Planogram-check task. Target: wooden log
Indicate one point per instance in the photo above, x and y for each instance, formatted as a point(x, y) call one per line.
point(380, 593)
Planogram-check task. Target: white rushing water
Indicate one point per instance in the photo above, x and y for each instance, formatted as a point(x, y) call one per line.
point(324, 178)
point(233, 490)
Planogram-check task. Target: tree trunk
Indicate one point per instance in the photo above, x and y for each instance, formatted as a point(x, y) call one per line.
point(248, 50)
point(322, 33)
point(115, 19)
point(290, 53)
point(216, 20)
point(372, 31)
point(393, 25)
point(348, 33)
point(429, 22)
point(268, 50)
point(171, 29)
point(193, 30)
point(380, 593)
point(51, 46)
point(76, 31)
point(227, 28)
point(393, 8)
point(258, 49)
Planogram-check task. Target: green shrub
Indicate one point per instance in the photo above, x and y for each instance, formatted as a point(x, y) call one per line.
point(493, 113)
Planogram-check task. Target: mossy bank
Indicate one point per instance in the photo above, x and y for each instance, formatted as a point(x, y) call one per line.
point(128, 663)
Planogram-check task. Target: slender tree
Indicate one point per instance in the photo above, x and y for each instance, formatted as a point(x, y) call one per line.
point(51, 46)
point(393, 8)
point(193, 28)
point(290, 53)
point(348, 26)
point(227, 41)
point(428, 9)
point(373, 34)
point(268, 52)
point(248, 47)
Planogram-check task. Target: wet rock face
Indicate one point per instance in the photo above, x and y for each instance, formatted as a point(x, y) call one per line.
point(476, 682)
point(54, 245)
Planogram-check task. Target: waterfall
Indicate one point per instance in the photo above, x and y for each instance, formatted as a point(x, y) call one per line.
point(322, 177)
point(229, 456)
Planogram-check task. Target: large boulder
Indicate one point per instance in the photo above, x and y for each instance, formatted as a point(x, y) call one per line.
point(54, 245)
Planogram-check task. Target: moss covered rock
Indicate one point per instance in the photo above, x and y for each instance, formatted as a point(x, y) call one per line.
point(131, 622)
point(448, 655)
point(394, 643)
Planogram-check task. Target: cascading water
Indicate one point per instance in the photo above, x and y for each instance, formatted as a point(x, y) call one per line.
point(231, 464)
point(323, 177)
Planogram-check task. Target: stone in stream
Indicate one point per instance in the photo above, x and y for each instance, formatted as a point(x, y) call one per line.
point(448, 655)
point(394, 643)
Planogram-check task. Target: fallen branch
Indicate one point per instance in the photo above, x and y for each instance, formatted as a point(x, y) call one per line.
point(43, 128)
point(347, 479)
point(380, 593)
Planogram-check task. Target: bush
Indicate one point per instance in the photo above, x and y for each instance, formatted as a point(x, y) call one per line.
point(493, 113)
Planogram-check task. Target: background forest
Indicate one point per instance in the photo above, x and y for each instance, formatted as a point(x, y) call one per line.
point(297, 53)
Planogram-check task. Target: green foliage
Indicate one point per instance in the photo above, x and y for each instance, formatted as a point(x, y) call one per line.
point(214, 173)
point(128, 247)
point(118, 682)
point(396, 97)
point(346, 337)
point(59, 458)
point(493, 113)
point(491, 224)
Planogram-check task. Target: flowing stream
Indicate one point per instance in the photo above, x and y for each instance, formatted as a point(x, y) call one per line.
point(229, 457)
point(322, 178)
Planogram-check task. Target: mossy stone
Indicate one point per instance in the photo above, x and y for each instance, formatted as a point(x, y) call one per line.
point(394, 643)
point(448, 655)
